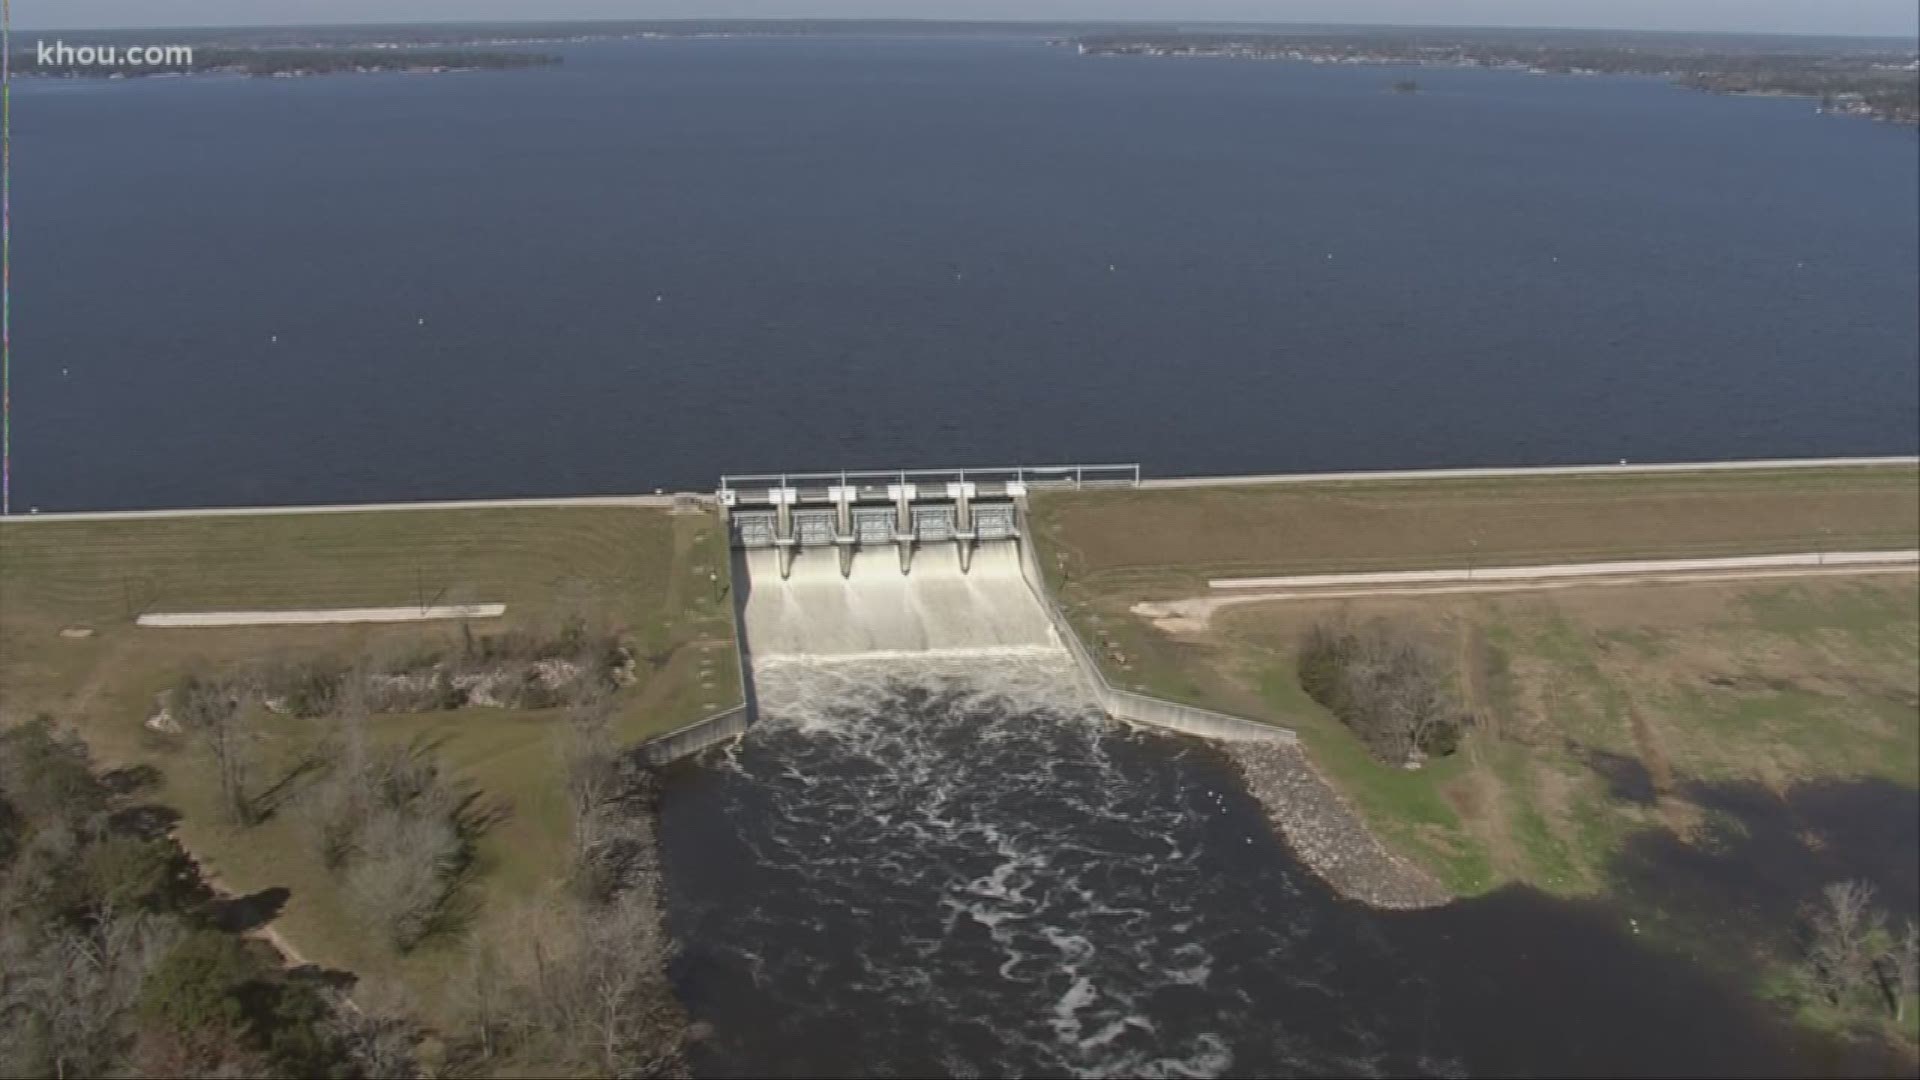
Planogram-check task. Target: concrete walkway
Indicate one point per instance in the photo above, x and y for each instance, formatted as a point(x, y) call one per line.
point(1193, 615)
point(322, 616)
point(668, 500)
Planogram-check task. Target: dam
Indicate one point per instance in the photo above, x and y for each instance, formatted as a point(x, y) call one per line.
point(933, 823)
point(890, 564)
point(916, 563)
point(934, 826)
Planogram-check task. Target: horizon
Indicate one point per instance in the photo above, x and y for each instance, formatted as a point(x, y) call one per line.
point(304, 17)
point(936, 21)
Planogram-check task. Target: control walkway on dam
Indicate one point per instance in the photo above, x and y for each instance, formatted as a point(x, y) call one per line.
point(857, 512)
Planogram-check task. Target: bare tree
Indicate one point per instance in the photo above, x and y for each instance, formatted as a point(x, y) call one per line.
point(375, 1033)
point(333, 810)
point(405, 872)
point(1902, 961)
point(212, 711)
point(589, 987)
point(66, 996)
point(591, 765)
point(1841, 925)
point(481, 997)
point(1388, 686)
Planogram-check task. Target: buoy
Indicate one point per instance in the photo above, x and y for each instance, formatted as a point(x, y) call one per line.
point(423, 322)
point(660, 298)
point(276, 337)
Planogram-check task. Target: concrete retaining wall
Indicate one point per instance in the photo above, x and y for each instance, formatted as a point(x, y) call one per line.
point(1125, 704)
point(697, 736)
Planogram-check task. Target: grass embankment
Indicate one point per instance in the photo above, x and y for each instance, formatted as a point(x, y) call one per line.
point(642, 572)
point(1605, 716)
point(1105, 550)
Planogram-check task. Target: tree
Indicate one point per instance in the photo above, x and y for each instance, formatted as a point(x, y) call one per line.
point(1901, 963)
point(1841, 925)
point(196, 987)
point(1387, 686)
point(69, 993)
point(588, 987)
point(212, 712)
point(374, 1034)
point(335, 807)
point(126, 871)
point(593, 781)
point(481, 996)
point(405, 873)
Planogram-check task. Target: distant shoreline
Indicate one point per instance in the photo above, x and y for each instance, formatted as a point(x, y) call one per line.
point(1879, 83)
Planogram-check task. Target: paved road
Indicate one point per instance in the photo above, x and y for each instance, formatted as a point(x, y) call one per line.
point(651, 501)
point(322, 616)
point(1193, 614)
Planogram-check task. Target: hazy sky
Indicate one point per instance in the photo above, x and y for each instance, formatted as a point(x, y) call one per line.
point(1900, 17)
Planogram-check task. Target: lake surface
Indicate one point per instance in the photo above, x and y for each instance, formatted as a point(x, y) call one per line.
point(957, 867)
point(665, 260)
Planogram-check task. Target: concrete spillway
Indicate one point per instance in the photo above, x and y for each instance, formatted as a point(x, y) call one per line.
point(876, 611)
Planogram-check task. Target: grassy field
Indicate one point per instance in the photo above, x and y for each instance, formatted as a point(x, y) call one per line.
point(1616, 725)
point(644, 573)
point(1153, 543)
point(1705, 756)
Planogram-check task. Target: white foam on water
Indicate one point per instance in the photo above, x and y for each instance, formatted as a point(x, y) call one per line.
point(882, 698)
point(877, 612)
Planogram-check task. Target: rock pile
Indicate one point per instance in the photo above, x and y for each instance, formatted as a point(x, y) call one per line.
point(1325, 832)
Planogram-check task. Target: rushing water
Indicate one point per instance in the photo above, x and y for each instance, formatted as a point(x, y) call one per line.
point(665, 260)
point(954, 866)
point(957, 867)
point(933, 856)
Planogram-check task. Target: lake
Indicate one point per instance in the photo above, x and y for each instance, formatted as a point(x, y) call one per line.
point(666, 260)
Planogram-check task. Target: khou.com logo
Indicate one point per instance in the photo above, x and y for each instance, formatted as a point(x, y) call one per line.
point(62, 55)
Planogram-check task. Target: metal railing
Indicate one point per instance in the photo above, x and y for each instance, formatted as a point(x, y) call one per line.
point(1030, 475)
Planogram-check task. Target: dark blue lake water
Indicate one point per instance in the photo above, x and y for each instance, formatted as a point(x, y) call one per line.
point(666, 260)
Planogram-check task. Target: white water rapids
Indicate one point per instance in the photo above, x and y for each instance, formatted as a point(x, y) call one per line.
point(932, 856)
point(940, 857)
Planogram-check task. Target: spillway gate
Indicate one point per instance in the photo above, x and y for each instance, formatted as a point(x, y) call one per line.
point(903, 509)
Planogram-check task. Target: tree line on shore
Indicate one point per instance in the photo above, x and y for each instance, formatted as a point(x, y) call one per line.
point(115, 956)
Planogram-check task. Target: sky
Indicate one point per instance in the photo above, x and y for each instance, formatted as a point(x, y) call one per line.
point(1867, 17)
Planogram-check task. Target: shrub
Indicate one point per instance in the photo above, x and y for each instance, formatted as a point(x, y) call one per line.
point(196, 989)
point(124, 871)
point(1388, 687)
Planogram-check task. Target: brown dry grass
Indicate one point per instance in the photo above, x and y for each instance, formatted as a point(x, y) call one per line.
point(1166, 542)
point(638, 570)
